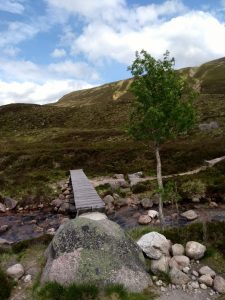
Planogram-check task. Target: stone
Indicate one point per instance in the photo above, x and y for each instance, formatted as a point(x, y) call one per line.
point(194, 284)
point(179, 262)
point(160, 265)
point(206, 279)
point(27, 278)
point(195, 273)
point(96, 216)
point(118, 176)
point(2, 208)
point(195, 250)
point(154, 245)
point(147, 203)
point(64, 208)
point(153, 214)
point(208, 126)
point(159, 283)
point(207, 271)
point(186, 270)
point(203, 286)
point(144, 220)
point(10, 203)
point(190, 215)
point(4, 228)
point(51, 231)
point(85, 250)
point(108, 199)
point(177, 249)
point(213, 204)
point(219, 284)
point(16, 271)
point(57, 202)
point(178, 277)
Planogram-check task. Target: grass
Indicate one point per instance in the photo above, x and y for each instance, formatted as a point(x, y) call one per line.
point(87, 129)
point(54, 291)
point(6, 286)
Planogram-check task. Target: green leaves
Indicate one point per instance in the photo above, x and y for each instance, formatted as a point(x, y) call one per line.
point(160, 111)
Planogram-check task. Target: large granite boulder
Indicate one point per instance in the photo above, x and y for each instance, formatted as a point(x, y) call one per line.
point(154, 245)
point(85, 250)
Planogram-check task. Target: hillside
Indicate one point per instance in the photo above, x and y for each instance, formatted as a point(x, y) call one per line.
point(86, 129)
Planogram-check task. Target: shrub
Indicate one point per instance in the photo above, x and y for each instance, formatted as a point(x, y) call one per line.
point(194, 187)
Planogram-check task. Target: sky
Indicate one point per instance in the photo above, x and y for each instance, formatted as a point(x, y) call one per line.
point(51, 47)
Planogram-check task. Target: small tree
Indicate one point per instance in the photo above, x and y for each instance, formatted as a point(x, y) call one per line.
point(162, 106)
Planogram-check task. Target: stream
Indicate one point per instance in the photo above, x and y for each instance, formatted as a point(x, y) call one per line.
point(29, 225)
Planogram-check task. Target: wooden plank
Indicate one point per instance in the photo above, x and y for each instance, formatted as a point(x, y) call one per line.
point(85, 195)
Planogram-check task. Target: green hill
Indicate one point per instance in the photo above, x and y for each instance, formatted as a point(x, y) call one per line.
point(86, 129)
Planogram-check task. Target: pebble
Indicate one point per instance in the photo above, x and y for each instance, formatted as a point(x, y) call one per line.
point(159, 283)
point(195, 273)
point(163, 289)
point(203, 286)
point(195, 284)
point(27, 278)
point(186, 269)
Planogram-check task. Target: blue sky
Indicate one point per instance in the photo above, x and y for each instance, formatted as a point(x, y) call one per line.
point(52, 47)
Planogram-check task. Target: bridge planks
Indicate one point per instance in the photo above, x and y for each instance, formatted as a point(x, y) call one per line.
point(85, 196)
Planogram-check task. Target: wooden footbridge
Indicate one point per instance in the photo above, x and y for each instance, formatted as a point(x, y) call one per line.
point(85, 196)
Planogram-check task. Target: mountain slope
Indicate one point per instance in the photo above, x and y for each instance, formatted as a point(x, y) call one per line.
point(86, 129)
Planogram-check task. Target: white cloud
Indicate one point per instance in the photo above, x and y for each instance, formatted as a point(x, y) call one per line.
point(31, 92)
point(25, 70)
point(87, 8)
point(58, 53)
point(71, 69)
point(193, 37)
point(11, 6)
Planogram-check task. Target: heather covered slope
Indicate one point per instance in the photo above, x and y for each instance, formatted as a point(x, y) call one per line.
point(87, 129)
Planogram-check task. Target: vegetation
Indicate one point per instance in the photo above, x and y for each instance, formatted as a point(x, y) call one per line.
point(161, 111)
point(85, 129)
point(6, 286)
point(54, 291)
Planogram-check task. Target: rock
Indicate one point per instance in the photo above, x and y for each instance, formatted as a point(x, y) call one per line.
point(195, 250)
point(84, 251)
point(4, 228)
point(186, 270)
point(64, 208)
point(206, 279)
point(118, 176)
point(27, 278)
point(147, 203)
point(159, 283)
point(153, 214)
point(219, 284)
point(194, 284)
point(2, 208)
point(10, 203)
point(190, 215)
point(179, 262)
point(57, 202)
point(51, 231)
point(213, 204)
point(177, 249)
point(154, 245)
point(96, 216)
point(208, 126)
point(144, 220)
point(160, 265)
point(207, 271)
point(135, 178)
point(16, 271)
point(108, 199)
point(178, 277)
point(203, 286)
point(196, 198)
point(195, 273)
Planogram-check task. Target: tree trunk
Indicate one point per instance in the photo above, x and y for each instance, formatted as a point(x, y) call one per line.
point(160, 185)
